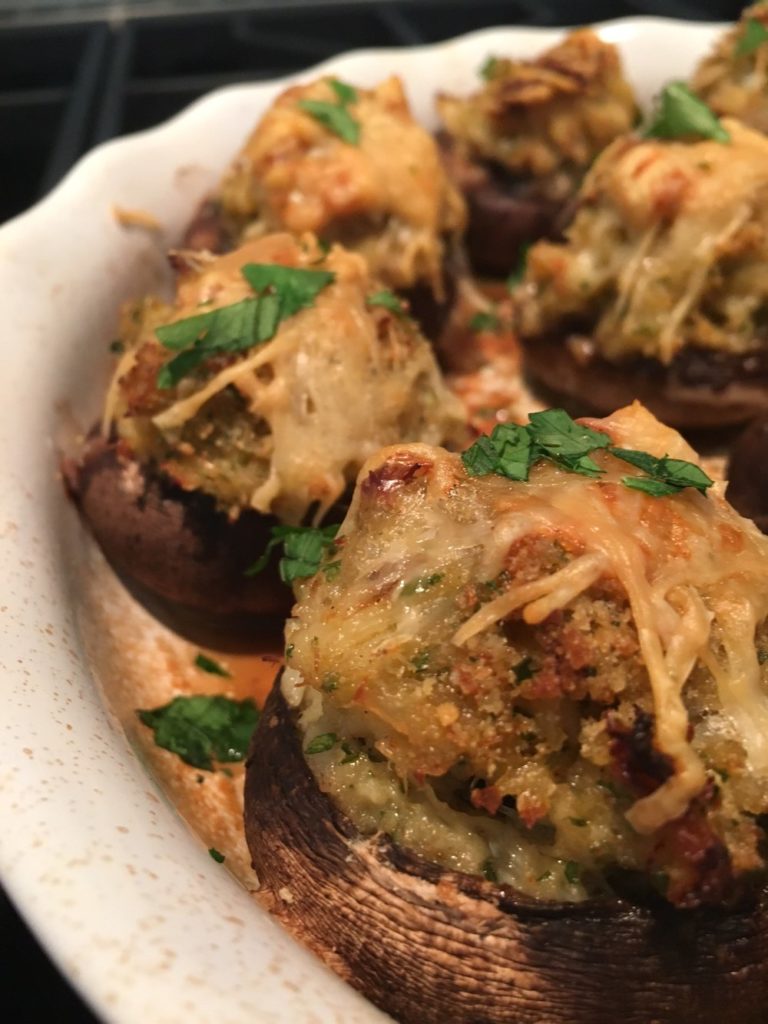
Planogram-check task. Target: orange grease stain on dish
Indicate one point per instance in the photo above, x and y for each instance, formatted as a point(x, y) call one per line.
point(141, 663)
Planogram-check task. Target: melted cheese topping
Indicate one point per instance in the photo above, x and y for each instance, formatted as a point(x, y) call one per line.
point(387, 196)
point(694, 574)
point(337, 381)
point(669, 247)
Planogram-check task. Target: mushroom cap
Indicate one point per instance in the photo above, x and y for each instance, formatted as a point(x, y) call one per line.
point(429, 945)
point(699, 389)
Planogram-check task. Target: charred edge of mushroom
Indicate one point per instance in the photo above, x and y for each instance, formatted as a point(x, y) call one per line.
point(698, 389)
point(427, 944)
point(173, 542)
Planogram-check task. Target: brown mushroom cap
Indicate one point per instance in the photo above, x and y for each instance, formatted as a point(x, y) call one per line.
point(504, 213)
point(429, 945)
point(699, 389)
point(175, 543)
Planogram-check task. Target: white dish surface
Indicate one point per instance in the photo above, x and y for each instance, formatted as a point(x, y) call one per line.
point(122, 894)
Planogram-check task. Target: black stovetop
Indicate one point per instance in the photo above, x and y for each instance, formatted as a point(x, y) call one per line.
point(67, 85)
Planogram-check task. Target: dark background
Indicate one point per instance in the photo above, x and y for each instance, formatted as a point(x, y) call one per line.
point(71, 78)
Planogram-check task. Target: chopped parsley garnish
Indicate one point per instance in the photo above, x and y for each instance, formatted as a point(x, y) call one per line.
point(304, 548)
point(578, 822)
point(489, 871)
point(664, 476)
point(289, 650)
point(421, 585)
point(680, 112)
point(203, 729)
point(351, 754)
point(388, 300)
point(484, 321)
point(281, 292)
point(117, 346)
point(209, 665)
point(335, 116)
point(516, 276)
point(572, 872)
point(319, 745)
point(218, 857)
point(488, 68)
point(754, 35)
point(512, 449)
point(420, 662)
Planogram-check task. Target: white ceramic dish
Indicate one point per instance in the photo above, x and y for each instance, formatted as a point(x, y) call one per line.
point(122, 895)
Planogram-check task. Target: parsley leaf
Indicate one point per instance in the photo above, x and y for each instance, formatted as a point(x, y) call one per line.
point(346, 93)
point(559, 438)
point(506, 452)
point(488, 68)
point(665, 476)
point(303, 550)
point(572, 872)
point(203, 729)
point(235, 328)
point(218, 857)
point(319, 745)
point(335, 117)
point(207, 664)
point(388, 300)
point(484, 321)
point(754, 35)
point(682, 113)
point(421, 585)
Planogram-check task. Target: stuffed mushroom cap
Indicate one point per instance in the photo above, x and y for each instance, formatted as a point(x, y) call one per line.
point(663, 265)
point(375, 182)
point(296, 387)
point(556, 683)
point(548, 118)
point(733, 78)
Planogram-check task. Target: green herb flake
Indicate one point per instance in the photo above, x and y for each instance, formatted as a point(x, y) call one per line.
point(421, 585)
point(304, 548)
point(203, 729)
point(420, 662)
point(665, 476)
point(524, 669)
point(330, 682)
point(218, 857)
point(484, 321)
point(516, 276)
point(579, 822)
point(723, 773)
point(346, 93)
point(752, 38)
point(660, 882)
point(680, 113)
point(488, 68)
point(558, 437)
point(332, 570)
point(544, 876)
point(320, 744)
point(572, 872)
point(507, 452)
point(202, 661)
point(117, 346)
point(289, 650)
point(282, 292)
point(387, 300)
point(351, 754)
point(489, 871)
point(333, 116)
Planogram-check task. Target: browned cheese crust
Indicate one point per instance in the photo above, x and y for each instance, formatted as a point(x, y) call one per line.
point(429, 945)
